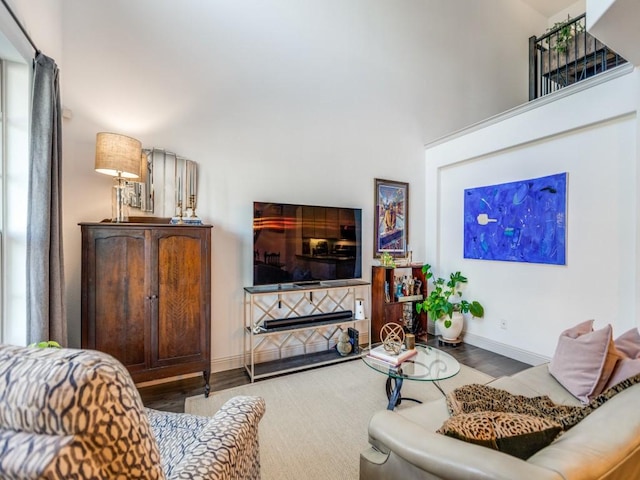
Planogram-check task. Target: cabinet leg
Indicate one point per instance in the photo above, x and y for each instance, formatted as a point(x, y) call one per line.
point(207, 388)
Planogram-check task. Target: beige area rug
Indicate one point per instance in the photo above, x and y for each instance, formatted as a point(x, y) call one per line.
point(315, 425)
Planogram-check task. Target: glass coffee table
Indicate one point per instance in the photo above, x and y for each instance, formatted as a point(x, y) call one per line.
point(428, 365)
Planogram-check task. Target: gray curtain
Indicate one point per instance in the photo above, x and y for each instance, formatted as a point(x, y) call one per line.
point(46, 316)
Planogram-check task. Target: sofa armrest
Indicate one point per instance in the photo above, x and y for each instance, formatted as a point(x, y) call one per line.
point(227, 446)
point(440, 456)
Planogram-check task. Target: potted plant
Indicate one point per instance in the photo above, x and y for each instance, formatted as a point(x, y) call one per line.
point(564, 33)
point(444, 303)
point(46, 344)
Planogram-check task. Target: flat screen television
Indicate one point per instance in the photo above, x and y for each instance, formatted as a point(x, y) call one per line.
point(305, 243)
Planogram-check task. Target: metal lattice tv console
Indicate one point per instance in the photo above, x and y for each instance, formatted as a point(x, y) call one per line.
point(311, 341)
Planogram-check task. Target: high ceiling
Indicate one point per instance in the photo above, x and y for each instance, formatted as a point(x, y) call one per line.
point(549, 8)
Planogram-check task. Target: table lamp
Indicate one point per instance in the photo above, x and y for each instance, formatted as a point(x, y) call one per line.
point(119, 156)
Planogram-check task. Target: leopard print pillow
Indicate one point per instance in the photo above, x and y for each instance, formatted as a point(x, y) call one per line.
point(519, 435)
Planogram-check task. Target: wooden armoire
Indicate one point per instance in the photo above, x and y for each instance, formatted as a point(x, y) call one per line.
point(146, 296)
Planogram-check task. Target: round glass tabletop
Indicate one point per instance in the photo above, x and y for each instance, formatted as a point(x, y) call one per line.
point(428, 365)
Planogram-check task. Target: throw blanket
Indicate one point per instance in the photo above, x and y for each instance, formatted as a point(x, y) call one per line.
point(483, 398)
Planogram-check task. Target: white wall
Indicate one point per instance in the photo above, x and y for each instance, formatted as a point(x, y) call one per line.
point(592, 134)
point(573, 10)
point(597, 9)
point(616, 24)
point(43, 22)
point(301, 101)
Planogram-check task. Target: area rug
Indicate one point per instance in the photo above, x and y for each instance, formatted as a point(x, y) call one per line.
point(316, 421)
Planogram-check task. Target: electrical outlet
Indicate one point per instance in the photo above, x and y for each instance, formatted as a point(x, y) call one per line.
point(503, 324)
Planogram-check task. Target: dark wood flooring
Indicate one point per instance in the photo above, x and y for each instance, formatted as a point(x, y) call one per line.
point(170, 396)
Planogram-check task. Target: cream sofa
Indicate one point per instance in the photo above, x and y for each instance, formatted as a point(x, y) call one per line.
point(76, 414)
point(604, 445)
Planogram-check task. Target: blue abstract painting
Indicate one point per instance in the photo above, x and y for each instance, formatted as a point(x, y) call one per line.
point(523, 221)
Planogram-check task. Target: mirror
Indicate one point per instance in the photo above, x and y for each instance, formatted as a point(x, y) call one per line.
point(167, 186)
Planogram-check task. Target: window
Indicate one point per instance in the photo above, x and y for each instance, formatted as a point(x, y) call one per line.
point(14, 172)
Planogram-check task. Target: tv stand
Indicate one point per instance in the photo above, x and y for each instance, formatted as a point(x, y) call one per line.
point(303, 345)
point(307, 284)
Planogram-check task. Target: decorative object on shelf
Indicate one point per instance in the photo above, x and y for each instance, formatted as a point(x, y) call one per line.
point(119, 156)
point(391, 226)
point(392, 337)
point(445, 305)
point(410, 341)
point(386, 260)
point(391, 358)
point(354, 338)
point(406, 261)
point(344, 346)
point(359, 315)
point(185, 173)
point(408, 316)
point(417, 287)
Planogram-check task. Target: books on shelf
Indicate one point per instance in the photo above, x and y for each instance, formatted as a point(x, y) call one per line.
point(379, 353)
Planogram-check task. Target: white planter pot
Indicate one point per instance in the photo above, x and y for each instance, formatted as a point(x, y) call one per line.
point(454, 331)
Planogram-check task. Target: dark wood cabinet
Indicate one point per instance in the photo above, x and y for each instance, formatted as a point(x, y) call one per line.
point(146, 296)
point(387, 307)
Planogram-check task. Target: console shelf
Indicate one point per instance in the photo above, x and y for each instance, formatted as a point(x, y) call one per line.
point(298, 347)
point(299, 362)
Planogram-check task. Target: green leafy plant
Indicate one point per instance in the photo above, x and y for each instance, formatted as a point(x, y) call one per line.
point(386, 260)
point(566, 31)
point(46, 344)
point(446, 298)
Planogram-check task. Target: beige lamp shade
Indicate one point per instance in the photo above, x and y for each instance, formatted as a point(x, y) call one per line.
point(118, 155)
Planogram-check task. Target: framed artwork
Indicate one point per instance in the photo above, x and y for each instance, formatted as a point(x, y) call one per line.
point(523, 221)
point(391, 220)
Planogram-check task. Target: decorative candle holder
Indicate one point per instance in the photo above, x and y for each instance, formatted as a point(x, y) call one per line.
point(192, 205)
point(178, 217)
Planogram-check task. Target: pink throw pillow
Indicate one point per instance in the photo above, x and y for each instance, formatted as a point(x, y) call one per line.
point(628, 344)
point(584, 360)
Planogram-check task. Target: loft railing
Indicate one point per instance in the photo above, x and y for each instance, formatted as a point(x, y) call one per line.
point(566, 54)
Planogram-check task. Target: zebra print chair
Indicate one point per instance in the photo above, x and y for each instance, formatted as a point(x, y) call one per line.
point(76, 414)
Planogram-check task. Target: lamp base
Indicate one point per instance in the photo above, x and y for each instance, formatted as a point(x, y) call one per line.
point(119, 201)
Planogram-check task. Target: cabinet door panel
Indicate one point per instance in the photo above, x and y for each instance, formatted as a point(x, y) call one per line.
point(182, 298)
point(118, 305)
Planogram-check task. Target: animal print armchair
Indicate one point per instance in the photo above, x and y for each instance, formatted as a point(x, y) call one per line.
point(76, 414)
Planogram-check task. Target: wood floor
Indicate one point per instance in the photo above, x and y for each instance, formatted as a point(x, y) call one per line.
point(170, 396)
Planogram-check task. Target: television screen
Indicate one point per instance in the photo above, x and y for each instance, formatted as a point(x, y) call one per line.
point(305, 243)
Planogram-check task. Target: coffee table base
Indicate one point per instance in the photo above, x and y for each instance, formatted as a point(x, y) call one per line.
point(394, 396)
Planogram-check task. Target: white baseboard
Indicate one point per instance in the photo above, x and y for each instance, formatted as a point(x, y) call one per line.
point(506, 350)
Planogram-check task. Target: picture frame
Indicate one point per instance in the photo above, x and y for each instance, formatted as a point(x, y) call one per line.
point(520, 221)
point(391, 218)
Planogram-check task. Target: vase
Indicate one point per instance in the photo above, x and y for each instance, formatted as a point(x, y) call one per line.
point(344, 346)
point(454, 330)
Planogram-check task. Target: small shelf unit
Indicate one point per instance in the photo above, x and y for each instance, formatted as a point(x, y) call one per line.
point(311, 344)
point(387, 307)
